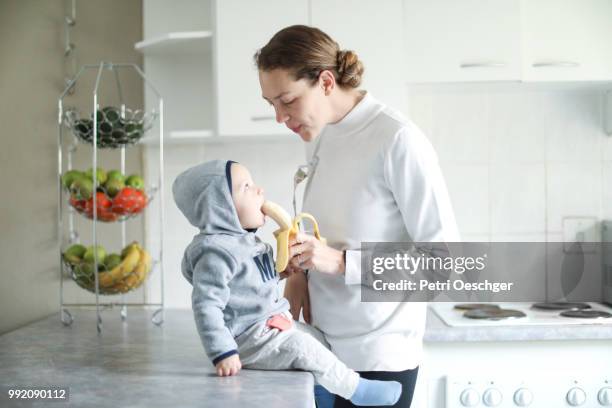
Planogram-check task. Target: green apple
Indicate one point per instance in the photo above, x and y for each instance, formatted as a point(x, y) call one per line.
point(69, 176)
point(113, 187)
point(112, 260)
point(114, 175)
point(74, 254)
point(84, 270)
point(100, 174)
point(135, 181)
point(98, 250)
point(82, 188)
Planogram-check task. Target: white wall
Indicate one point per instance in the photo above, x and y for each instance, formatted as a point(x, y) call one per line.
point(517, 160)
point(32, 72)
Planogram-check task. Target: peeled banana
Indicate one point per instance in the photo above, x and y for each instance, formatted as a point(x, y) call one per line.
point(288, 229)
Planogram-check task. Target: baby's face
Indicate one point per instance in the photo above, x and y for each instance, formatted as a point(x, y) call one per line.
point(248, 198)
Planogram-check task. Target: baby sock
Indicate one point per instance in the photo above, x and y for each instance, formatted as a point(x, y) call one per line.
point(374, 392)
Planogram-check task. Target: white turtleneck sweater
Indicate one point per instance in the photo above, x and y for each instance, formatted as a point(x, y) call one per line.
point(375, 178)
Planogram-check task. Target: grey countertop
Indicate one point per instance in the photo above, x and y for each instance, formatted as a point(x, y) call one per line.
point(438, 331)
point(136, 364)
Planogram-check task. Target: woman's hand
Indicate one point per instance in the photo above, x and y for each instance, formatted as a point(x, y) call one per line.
point(307, 252)
point(229, 366)
point(296, 292)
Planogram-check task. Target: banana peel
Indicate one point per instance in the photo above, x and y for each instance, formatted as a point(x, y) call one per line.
point(288, 229)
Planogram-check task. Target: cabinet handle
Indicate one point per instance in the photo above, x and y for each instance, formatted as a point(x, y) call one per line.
point(262, 118)
point(483, 65)
point(556, 64)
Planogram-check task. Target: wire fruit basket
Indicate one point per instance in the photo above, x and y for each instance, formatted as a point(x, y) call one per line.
point(117, 273)
point(116, 127)
point(113, 126)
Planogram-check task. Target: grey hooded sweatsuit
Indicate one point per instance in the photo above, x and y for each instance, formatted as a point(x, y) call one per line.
point(235, 287)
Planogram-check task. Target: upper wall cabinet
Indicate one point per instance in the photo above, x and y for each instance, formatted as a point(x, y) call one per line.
point(200, 53)
point(508, 40)
point(458, 41)
point(373, 29)
point(241, 28)
point(567, 40)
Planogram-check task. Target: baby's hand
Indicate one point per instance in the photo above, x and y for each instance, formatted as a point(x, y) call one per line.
point(229, 366)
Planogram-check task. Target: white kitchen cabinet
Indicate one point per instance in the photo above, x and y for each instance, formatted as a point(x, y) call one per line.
point(241, 28)
point(373, 29)
point(462, 41)
point(567, 40)
point(177, 50)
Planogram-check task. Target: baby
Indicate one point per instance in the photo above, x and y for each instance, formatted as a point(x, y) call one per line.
point(241, 319)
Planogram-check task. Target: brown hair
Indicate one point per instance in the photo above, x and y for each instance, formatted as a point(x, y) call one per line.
point(306, 51)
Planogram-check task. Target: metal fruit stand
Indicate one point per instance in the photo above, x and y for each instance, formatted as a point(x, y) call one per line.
point(111, 128)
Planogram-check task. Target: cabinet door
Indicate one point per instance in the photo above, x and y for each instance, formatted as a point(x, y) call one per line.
point(567, 40)
point(372, 29)
point(466, 40)
point(242, 27)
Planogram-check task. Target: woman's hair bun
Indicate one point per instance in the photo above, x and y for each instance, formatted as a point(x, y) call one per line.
point(350, 69)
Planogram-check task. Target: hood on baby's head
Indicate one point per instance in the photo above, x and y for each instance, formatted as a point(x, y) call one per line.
point(203, 195)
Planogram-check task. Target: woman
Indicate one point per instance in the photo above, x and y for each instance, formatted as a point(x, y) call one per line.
point(374, 177)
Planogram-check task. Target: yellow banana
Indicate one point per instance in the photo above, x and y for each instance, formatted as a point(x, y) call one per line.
point(138, 275)
point(288, 229)
point(127, 265)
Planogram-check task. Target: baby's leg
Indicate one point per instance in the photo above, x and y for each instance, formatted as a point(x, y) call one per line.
point(367, 392)
point(301, 350)
point(297, 349)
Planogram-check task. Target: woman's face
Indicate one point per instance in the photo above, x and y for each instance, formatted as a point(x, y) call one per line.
point(302, 107)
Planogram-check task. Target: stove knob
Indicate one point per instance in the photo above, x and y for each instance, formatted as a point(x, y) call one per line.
point(605, 397)
point(469, 397)
point(576, 397)
point(523, 397)
point(492, 397)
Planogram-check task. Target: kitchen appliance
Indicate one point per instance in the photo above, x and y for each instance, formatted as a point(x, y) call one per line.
point(496, 372)
point(523, 314)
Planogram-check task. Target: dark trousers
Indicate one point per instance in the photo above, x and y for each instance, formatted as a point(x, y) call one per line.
point(406, 378)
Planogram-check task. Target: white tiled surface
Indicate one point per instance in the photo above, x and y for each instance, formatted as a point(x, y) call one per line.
point(517, 159)
point(573, 189)
point(468, 186)
point(517, 195)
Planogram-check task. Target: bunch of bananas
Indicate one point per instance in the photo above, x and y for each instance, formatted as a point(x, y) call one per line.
point(126, 275)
